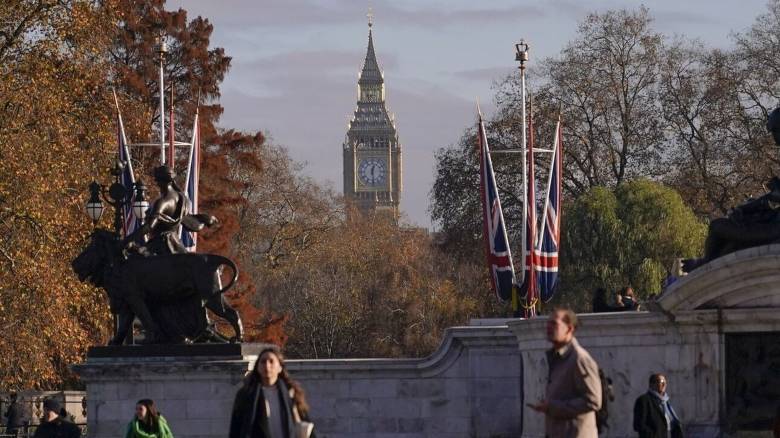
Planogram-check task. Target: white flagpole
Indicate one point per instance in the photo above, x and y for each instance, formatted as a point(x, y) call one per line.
point(195, 133)
point(522, 56)
point(195, 138)
point(163, 49)
point(124, 138)
point(190, 168)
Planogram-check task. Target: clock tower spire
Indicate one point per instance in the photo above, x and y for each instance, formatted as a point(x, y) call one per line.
point(372, 152)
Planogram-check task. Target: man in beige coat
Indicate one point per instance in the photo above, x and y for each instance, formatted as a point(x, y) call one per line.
point(573, 384)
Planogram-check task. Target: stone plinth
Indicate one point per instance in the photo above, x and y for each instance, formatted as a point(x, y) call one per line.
point(193, 386)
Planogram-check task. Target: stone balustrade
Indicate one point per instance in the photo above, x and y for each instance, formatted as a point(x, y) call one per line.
point(713, 333)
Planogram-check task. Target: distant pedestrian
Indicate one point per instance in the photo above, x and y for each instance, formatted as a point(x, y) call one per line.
point(573, 385)
point(600, 301)
point(17, 417)
point(148, 422)
point(54, 425)
point(629, 298)
point(654, 416)
point(270, 404)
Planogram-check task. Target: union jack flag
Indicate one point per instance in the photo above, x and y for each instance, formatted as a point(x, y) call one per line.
point(127, 179)
point(499, 257)
point(549, 245)
point(530, 280)
point(189, 239)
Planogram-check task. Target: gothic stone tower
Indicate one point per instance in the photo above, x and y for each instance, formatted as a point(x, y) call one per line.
point(372, 152)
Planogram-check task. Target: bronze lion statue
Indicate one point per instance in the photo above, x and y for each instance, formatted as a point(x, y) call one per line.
point(166, 292)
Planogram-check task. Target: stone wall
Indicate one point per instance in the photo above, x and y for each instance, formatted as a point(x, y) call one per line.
point(684, 337)
point(476, 383)
point(471, 387)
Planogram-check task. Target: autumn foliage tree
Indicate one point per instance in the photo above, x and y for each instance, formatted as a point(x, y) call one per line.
point(716, 104)
point(349, 285)
point(369, 288)
point(59, 62)
point(54, 129)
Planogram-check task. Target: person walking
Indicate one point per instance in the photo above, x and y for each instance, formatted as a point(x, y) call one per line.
point(53, 425)
point(16, 416)
point(270, 404)
point(654, 416)
point(148, 422)
point(573, 386)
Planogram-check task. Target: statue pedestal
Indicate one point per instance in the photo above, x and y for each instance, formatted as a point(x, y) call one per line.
point(193, 386)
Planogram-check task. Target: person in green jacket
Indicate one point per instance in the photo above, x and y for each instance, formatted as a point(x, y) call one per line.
point(148, 423)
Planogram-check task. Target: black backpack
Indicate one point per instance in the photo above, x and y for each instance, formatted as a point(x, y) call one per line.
point(607, 395)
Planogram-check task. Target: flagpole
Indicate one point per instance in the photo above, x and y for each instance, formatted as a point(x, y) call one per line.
point(190, 166)
point(193, 145)
point(172, 127)
point(163, 49)
point(122, 134)
point(521, 55)
point(191, 181)
point(531, 284)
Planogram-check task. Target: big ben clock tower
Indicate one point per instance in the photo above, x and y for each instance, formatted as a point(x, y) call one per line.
point(372, 152)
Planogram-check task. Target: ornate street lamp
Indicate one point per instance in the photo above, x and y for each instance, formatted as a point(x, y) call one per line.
point(118, 193)
point(94, 205)
point(140, 202)
point(117, 197)
point(521, 53)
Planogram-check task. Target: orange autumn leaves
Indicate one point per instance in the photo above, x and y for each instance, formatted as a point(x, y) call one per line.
point(54, 135)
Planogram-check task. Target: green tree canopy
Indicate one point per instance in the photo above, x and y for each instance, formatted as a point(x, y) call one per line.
point(629, 235)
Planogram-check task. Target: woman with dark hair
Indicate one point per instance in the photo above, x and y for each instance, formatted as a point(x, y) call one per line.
point(600, 301)
point(270, 404)
point(148, 423)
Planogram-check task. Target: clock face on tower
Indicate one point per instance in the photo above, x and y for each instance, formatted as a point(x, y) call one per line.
point(371, 94)
point(372, 171)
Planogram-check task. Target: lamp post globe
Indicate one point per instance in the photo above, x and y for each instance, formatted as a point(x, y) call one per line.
point(94, 205)
point(140, 202)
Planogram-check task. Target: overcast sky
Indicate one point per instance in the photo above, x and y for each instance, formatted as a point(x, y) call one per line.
point(296, 62)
